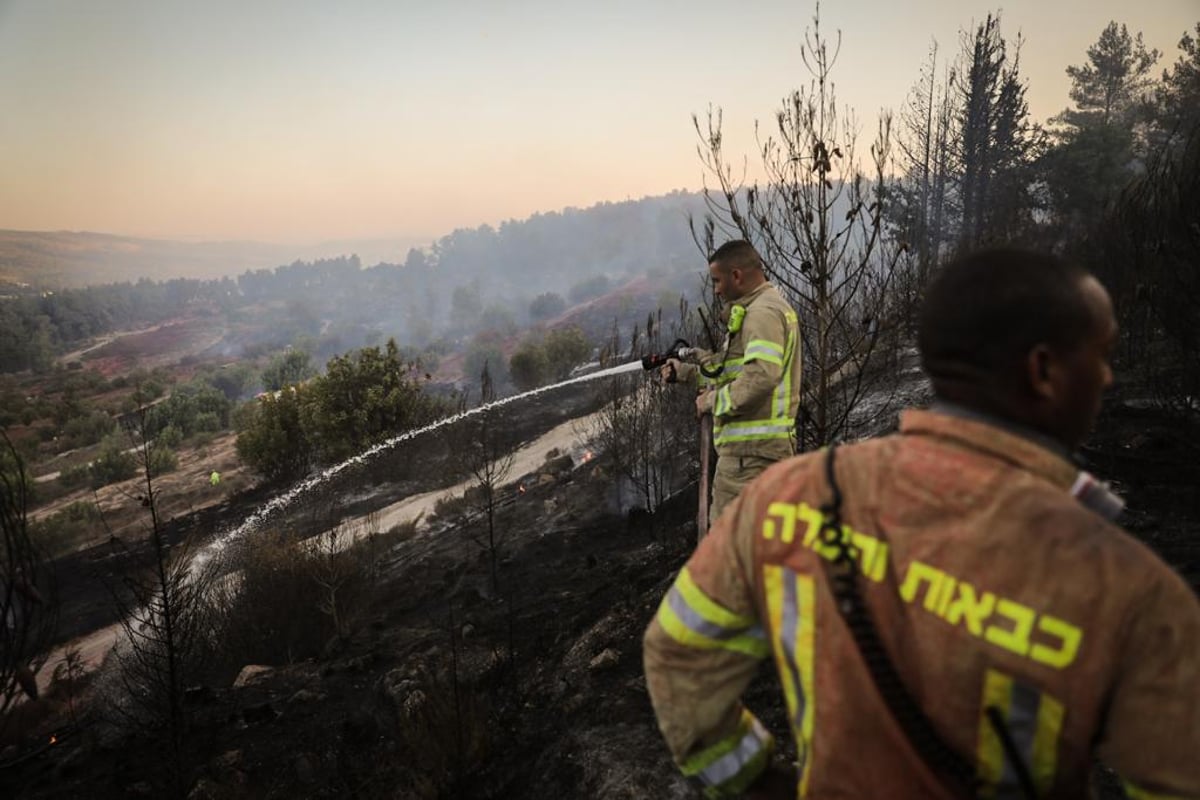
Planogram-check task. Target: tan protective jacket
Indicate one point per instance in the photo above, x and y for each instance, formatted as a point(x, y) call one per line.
point(755, 398)
point(990, 585)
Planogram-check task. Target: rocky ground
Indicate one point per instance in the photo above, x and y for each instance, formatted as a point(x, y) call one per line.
point(450, 687)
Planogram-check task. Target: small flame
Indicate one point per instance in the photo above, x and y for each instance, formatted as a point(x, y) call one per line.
point(53, 739)
point(521, 488)
point(587, 456)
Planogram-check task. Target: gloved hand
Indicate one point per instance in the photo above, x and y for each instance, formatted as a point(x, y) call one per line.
point(669, 372)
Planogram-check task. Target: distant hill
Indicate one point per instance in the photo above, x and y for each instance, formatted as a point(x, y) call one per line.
point(70, 259)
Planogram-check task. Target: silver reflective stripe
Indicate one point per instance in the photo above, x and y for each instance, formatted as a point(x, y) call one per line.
point(730, 765)
point(1022, 726)
point(733, 429)
point(788, 636)
point(756, 350)
point(688, 616)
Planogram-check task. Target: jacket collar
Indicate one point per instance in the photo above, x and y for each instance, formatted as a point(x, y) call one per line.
point(1024, 448)
point(1017, 429)
point(977, 432)
point(750, 297)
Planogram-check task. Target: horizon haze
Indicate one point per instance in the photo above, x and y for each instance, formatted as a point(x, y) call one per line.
point(305, 123)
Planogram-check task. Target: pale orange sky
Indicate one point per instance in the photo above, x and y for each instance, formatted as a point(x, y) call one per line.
point(300, 122)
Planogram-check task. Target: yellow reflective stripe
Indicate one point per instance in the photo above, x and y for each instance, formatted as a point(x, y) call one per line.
point(724, 402)
point(791, 614)
point(997, 691)
point(805, 649)
point(689, 617)
point(751, 437)
point(763, 350)
point(729, 371)
point(753, 429)
point(1034, 723)
point(773, 587)
point(1045, 743)
point(728, 767)
point(1135, 792)
point(767, 345)
point(783, 392)
point(708, 609)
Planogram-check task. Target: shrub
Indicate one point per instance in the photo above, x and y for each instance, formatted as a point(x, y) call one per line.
point(547, 305)
point(527, 367)
point(73, 477)
point(88, 428)
point(207, 422)
point(292, 598)
point(113, 465)
point(162, 460)
point(565, 349)
point(269, 616)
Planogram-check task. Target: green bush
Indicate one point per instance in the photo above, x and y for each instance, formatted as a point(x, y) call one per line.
point(287, 369)
point(207, 422)
point(89, 428)
point(566, 348)
point(74, 477)
point(113, 465)
point(528, 367)
point(272, 439)
point(162, 460)
point(170, 437)
point(546, 305)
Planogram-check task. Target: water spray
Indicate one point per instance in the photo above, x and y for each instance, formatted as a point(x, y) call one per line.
point(280, 501)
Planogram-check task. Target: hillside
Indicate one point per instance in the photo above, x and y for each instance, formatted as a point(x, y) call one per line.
point(449, 686)
point(70, 259)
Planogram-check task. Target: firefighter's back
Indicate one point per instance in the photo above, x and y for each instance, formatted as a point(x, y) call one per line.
point(991, 586)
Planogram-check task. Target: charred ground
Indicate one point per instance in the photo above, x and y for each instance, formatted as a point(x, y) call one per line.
point(450, 689)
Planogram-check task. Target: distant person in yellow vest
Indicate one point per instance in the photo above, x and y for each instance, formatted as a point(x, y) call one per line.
point(751, 387)
point(215, 478)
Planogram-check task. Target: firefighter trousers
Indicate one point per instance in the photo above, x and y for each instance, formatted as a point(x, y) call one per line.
point(733, 473)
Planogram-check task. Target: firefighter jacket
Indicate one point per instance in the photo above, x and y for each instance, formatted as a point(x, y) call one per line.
point(755, 397)
point(991, 585)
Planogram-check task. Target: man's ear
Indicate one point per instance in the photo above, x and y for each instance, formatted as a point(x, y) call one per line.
point(1041, 370)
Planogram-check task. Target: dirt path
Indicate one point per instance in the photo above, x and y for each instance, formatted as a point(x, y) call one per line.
point(92, 650)
point(564, 438)
point(103, 340)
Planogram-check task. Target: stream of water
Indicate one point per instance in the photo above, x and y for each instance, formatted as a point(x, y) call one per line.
point(280, 501)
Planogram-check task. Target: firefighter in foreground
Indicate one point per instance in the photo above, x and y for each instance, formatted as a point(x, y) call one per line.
point(1018, 632)
point(751, 387)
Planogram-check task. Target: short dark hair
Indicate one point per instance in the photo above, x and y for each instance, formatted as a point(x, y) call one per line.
point(985, 311)
point(736, 254)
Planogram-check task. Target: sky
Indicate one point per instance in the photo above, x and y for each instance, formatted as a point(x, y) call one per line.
point(300, 122)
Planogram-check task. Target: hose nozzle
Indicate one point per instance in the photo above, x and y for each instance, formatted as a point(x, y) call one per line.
point(680, 350)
